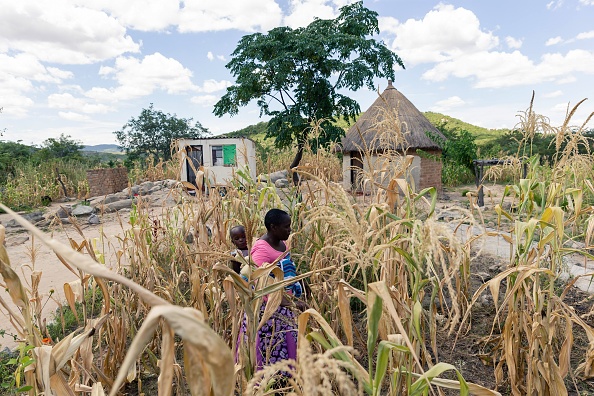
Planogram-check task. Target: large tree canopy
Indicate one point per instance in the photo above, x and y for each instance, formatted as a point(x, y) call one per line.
point(296, 75)
point(153, 131)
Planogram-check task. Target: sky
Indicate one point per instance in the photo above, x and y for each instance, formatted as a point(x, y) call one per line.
point(83, 68)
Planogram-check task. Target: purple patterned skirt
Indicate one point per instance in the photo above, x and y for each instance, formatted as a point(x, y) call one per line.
point(277, 338)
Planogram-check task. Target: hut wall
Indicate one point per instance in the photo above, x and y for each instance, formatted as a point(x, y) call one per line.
point(430, 171)
point(414, 174)
point(107, 181)
point(346, 171)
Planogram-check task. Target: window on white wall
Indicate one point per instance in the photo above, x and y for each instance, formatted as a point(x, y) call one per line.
point(224, 155)
point(217, 155)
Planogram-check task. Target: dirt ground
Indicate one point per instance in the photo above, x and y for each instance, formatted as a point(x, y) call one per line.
point(27, 255)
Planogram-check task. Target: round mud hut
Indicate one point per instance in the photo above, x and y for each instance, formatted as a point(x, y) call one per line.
point(390, 134)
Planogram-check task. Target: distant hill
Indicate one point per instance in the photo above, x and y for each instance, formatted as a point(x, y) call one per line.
point(104, 148)
point(483, 136)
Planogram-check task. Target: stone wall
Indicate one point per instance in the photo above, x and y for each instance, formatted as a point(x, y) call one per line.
point(107, 181)
point(431, 171)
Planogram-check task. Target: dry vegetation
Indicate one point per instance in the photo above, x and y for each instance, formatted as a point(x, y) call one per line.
point(386, 280)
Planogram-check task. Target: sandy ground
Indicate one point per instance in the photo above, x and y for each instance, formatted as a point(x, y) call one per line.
point(574, 265)
point(28, 254)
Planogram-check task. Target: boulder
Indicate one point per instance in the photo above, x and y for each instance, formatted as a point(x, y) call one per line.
point(156, 188)
point(94, 219)
point(274, 176)
point(147, 185)
point(144, 191)
point(113, 198)
point(119, 205)
point(34, 217)
point(82, 210)
point(64, 211)
point(12, 224)
point(170, 183)
point(96, 201)
point(17, 240)
point(281, 183)
point(131, 191)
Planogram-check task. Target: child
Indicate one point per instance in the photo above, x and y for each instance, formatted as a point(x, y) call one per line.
point(239, 239)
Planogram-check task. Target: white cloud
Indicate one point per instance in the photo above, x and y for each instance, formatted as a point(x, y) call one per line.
point(61, 32)
point(215, 15)
point(69, 102)
point(443, 34)
point(566, 80)
point(28, 67)
point(210, 86)
point(559, 108)
point(513, 43)
point(153, 15)
point(20, 75)
point(553, 5)
point(72, 116)
point(388, 25)
point(139, 78)
point(448, 104)
point(205, 100)
point(212, 56)
point(14, 103)
point(587, 2)
point(135, 78)
point(586, 35)
point(553, 41)
point(553, 94)
point(500, 69)
point(302, 12)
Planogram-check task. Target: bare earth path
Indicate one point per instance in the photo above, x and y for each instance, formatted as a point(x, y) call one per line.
point(574, 265)
point(27, 255)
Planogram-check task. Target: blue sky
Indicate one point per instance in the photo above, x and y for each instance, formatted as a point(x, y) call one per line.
point(85, 67)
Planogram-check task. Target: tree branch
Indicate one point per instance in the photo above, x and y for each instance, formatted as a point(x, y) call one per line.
point(277, 99)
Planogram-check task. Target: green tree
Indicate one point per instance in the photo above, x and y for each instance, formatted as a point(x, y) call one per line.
point(297, 75)
point(63, 147)
point(153, 131)
point(12, 154)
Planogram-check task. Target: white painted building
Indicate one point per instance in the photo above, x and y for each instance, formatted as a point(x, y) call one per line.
point(218, 157)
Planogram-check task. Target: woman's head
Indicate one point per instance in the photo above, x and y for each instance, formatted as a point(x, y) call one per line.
point(278, 224)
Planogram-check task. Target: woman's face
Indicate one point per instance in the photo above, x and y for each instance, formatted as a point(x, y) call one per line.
point(283, 229)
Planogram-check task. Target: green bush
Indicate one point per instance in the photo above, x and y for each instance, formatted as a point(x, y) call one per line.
point(65, 321)
point(453, 174)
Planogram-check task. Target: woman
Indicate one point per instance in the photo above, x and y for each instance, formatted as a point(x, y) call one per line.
point(277, 338)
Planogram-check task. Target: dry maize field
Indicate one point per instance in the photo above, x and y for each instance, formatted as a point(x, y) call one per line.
point(393, 305)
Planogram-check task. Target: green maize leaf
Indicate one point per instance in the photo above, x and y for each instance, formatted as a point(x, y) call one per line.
point(421, 385)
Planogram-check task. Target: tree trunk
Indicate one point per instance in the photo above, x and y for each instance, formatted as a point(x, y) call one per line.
point(297, 160)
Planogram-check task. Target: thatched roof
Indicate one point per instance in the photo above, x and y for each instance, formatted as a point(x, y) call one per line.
point(413, 124)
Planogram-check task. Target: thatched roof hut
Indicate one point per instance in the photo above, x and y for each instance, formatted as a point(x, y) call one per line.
point(414, 125)
point(392, 122)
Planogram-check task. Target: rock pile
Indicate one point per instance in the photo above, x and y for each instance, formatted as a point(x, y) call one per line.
point(155, 193)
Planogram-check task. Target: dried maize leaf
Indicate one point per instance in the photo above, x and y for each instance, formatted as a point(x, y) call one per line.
point(73, 291)
point(166, 362)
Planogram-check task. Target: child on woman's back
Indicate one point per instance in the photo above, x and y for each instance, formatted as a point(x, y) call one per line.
point(239, 239)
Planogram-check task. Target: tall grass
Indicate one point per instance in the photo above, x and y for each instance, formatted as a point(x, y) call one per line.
point(31, 184)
